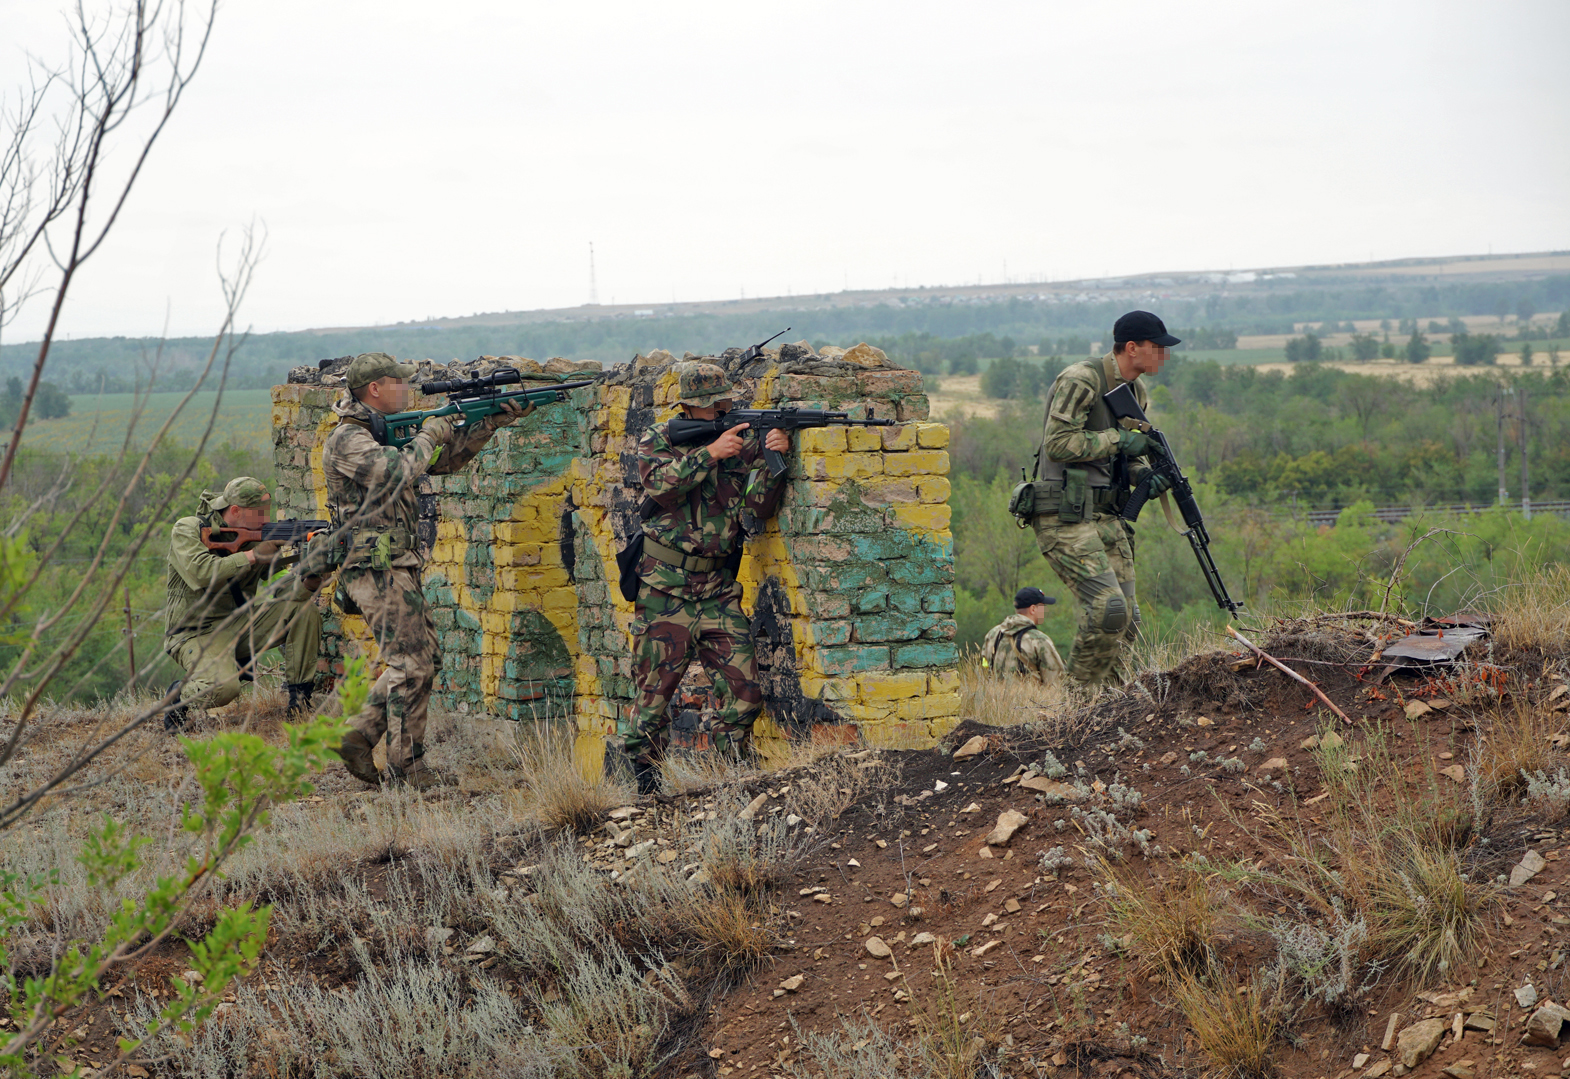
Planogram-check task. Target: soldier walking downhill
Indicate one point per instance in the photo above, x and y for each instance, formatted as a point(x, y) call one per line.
point(1017, 647)
point(690, 602)
point(371, 490)
point(1088, 462)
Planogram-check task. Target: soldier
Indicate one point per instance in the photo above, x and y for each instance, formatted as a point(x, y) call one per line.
point(690, 602)
point(1088, 462)
point(215, 624)
point(371, 492)
point(1016, 646)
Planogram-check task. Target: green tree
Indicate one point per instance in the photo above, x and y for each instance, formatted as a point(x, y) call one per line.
point(1525, 309)
point(1418, 350)
point(1526, 354)
point(1365, 347)
point(1388, 350)
point(1305, 349)
point(1562, 327)
point(1502, 309)
point(1474, 349)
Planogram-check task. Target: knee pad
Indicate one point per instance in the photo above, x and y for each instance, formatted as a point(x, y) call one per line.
point(1112, 613)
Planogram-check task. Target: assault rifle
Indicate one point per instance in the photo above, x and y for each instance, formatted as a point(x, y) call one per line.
point(229, 540)
point(684, 432)
point(470, 400)
point(1125, 406)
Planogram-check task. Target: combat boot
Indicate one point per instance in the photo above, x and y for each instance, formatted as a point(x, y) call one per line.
point(357, 759)
point(300, 694)
point(174, 716)
point(735, 747)
point(647, 773)
point(420, 779)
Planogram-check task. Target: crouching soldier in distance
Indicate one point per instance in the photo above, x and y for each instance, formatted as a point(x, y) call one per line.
point(1017, 647)
point(219, 616)
point(690, 602)
point(372, 494)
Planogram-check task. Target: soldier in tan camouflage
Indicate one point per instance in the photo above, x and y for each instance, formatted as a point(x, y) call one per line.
point(372, 494)
point(1088, 463)
point(690, 603)
point(219, 616)
point(1016, 647)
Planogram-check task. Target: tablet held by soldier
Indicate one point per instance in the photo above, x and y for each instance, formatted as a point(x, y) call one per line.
point(688, 600)
point(1085, 467)
point(1017, 648)
point(372, 498)
point(223, 611)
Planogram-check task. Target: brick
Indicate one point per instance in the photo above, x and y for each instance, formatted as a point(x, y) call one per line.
point(941, 600)
point(941, 682)
point(912, 408)
point(829, 633)
point(892, 627)
point(898, 439)
point(917, 462)
point(932, 436)
point(921, 571)
point(864, 439)
point(930, 516)
point(847, 466)
point(891, 686)
point(933, 489)
point(848, 659)
point(822, 440)
point(872, 602)
point(926, 654)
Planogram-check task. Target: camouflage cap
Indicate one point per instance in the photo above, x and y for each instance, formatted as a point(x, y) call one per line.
point(241, 491)
point(702, 384)
point(370, 366)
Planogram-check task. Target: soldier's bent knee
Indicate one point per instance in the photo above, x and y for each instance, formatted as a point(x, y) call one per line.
point(1112, 615)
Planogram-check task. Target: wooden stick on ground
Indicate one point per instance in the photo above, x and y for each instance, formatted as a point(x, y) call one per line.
point(1290, 672)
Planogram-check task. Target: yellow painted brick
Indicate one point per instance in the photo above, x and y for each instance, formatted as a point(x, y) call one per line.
point(917, 462)
point(525, 532)
point(863, 439)
point(933, 489)
point(560, 598)
point(565, 619)
point(495, 621)
point(449, 529)
point(898, 439)
point(898, 734)
point(585, 668)
point(932, 436)
point(891, 686)
point(525, 510)
point(925, 515)
point(817, 688)
point(943, 682)
point(823, 440)
point(441, 552)
point(511, 601)
point(532, 578)
point(849, 466)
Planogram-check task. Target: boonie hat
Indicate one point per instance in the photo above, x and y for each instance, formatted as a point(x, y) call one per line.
point(1143, 326)
point(1029, 597)
point(241, 491)
point(367, 367)
point(702, 384)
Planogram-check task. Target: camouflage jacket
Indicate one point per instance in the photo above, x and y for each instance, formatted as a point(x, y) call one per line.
point(699, 504)
point(1080, 429)
point(205, 586)
point(375, 489)
point(1017, 647)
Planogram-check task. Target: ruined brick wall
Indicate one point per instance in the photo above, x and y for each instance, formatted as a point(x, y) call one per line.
point(850, 586)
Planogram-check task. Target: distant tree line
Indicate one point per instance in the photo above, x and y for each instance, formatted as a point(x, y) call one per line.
point(49, 403)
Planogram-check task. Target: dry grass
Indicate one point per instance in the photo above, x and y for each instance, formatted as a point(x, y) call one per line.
point(1518, 743)
point(1008, 702)
point(1534, 612)
point(730, 930)
point(835, 783)
point(1171, 924)
point(1235, 1022)
point(552, 789)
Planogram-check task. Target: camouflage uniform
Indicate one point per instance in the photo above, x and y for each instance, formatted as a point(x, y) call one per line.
point(1016, 647)
point(372, 490)
point(690, 604)
point(1093, 551)
point(219, 616)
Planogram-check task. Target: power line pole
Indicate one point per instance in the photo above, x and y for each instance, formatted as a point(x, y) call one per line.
point(1526, 490)
point(594, 285)
point(1504, 493)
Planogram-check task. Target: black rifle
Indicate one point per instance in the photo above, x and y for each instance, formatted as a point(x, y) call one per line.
point(757, 350)
point(684, 432)
point(470, 400)
point(1125, 406)
point(287, 532)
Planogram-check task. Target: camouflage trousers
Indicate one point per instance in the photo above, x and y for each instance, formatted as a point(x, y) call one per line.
point(674, 630)
point(1096, 560)
point(394, 609)
point(212, 662)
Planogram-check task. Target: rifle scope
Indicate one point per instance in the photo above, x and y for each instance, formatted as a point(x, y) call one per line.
point(503, 376)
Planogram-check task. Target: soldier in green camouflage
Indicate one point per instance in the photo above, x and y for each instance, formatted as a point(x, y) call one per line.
point(219, 616)
point(1088, 462)
point(372, 493)
point(1016, 647)
point(690, 603)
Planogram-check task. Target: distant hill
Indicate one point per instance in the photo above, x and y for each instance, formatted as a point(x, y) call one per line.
point(1256, 301)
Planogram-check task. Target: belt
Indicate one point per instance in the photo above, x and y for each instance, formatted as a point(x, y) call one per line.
point(1052, 494)
point(680, 559)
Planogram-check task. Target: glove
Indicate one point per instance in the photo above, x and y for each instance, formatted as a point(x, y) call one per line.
point(440, 429)
point(1133, 443)
point(507, 419)
point(1159, 483)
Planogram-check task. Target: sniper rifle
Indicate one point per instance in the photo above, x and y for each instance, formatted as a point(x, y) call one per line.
point(684, 432)
point(470, 400)
point(1125, 406)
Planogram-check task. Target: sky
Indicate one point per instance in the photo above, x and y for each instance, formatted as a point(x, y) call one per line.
point(412, 160)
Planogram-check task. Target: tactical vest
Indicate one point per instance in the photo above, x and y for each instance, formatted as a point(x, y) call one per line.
point(1099, 473)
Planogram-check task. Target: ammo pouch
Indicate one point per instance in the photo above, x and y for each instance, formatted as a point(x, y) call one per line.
point(1076, 491)
point(376, 550)
point(1023, 499)
point(627, 560)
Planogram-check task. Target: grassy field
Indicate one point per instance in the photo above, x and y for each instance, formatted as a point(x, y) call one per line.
point(98, 424)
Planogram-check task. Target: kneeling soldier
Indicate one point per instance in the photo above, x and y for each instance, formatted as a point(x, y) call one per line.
point(1016, 646)
point(690, 603)
point(216, 623)
point(372, 492)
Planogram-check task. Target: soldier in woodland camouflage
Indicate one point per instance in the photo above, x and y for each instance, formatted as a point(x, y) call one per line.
point(1016, 647)
point(218, 616)
point(1088, 462)
point(690, 602)
point(372, 492)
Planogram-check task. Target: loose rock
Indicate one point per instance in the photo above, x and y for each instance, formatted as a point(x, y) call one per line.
point(1545, 1025)
point(1274, 764)
point(1531, 864)
point(1418, 1041)
point(876, 947)
point(793, 983)
point(1526, 996)
point(975, 746)
point(1009, 822)
point(752, 807)
point(1379, 1067)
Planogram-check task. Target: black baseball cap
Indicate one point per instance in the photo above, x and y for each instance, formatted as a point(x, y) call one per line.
point(1029, 597)
point(1142, 326)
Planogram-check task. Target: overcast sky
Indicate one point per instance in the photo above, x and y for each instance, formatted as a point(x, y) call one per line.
point(419, 159)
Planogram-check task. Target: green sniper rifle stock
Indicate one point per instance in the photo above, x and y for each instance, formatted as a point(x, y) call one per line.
point(471, 400)
point(1125, 406)
point(760, 421)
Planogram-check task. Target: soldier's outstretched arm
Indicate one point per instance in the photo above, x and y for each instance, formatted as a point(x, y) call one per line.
point(669, 472)
point(467, 442)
